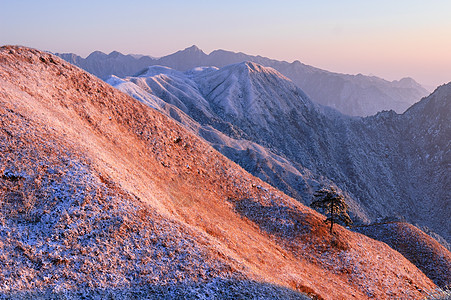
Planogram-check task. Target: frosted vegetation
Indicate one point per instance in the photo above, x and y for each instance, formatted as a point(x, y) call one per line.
point(104, 196)
point(385, 164)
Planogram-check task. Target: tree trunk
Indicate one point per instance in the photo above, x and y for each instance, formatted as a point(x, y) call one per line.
point(331, 218)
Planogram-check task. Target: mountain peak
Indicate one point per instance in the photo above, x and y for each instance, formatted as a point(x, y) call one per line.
point(407, 82)
point(193, 49)
point(436, 104)
point(97, 55)
point(248, 66)
point(253, 66)
point(184, 60)
point(101, 55)
point(115, 54)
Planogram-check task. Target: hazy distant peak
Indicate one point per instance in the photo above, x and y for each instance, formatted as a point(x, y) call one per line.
point(184, 60)
point(96, 55)
point(407, 79)
point(219, 51)
point(222, 51)
point(193, 49)
point(115, 54)
point(406, 82)
point(70, 57)
point(356, 95)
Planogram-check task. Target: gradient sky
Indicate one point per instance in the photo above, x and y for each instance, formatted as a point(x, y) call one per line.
point(388, 38)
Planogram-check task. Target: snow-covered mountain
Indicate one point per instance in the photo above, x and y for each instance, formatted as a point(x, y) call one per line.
point(356, 95)
point(104, 197)
point(263, 121)
point(100, 64)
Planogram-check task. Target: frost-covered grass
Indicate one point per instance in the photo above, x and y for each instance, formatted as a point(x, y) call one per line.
point(421, 249)
point(65, 226)
point(100, 193)
point(440, 294)
point(217, 289)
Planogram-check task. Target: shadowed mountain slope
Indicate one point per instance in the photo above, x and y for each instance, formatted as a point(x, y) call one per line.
point(351, 94)
point(99, 191)
point(422, 250)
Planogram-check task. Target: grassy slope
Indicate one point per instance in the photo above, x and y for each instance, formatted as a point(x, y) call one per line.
point(421, 249)
point(101, 191)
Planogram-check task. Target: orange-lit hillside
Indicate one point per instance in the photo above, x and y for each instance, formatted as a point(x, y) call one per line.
point(99, 191)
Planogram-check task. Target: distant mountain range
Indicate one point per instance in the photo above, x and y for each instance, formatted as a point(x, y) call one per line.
point(388, 164)
point(104, 197)
point(355, 95)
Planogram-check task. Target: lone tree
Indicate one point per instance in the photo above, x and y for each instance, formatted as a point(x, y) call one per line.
point(334, 206)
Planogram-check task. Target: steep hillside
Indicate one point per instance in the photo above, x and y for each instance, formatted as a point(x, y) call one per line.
point(177, 95)
point(417, 146)
point(426, 141)
point(102, 192)
point(261, 120)
point(422, 250)
point(356, 95)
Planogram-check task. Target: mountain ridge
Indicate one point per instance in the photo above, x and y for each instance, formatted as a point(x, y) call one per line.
point(351, 94)
point(254, 103)
point(116, 203)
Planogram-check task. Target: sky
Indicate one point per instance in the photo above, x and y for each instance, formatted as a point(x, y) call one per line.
point(387, 38)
